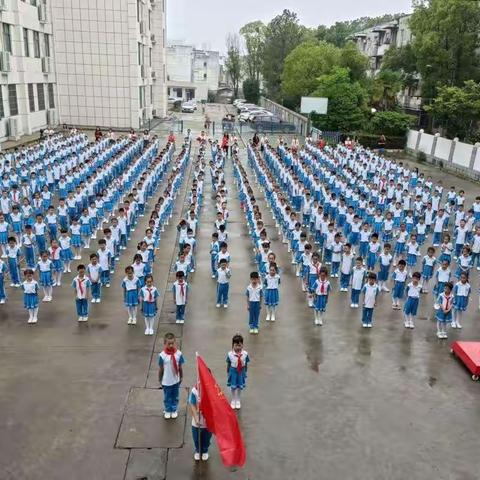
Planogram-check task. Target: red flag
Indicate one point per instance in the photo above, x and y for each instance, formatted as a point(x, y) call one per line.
point(220, 418)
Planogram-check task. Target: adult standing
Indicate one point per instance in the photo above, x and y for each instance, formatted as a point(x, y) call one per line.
point(201, 436)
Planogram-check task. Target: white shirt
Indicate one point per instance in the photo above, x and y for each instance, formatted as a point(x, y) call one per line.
point(30, 287)
point(170, 377)
point(346, 264)
point(254, 294)
point(370, 295)
point(272, 283)
point(223, 276)
point(358, 276)
point(180, 299)
point(81, 286)
point(413, 291)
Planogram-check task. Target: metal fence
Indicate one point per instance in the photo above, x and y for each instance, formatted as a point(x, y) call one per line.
point(329, 137)
point(166, 125)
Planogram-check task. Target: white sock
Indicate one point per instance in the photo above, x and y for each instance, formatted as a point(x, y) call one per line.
point(59, 277)
point(439, 328)
point(30, 314)
point(68, 265)
point(35, 312)
point(147, 323)
point(45, 290)
point(50, 290)
point(458, 317)
point(151, 321)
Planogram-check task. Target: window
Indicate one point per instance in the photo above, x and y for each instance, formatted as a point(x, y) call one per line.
point(41, 96)
point(139, 53)
point(36, 44)
point(46, 38)
point(26, 46)
point(51, 98)
point(139, 10)
point(141, 96)
point(7, 38)
point(204, 64)
point(33, 2)
point(31, 97)
point(2, 112)
point(149, 19)
point(12, 99)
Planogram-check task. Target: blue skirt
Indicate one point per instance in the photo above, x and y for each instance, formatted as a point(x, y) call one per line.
point(236, 379)
point(76, 240)
point(312, 278)
point(66, 254)
point(30, 300)
point(411, 259)
point(320, 303)
point(3, 238)
point(149, 309)
point(398, 290)
point(460, 302)
point(46, 279)
point(427, 272)
point(17, 227)
point(58, 265)
point(85, 229)
point(443, 317)
point(411, 306)
point(131, 298)
point(272, 297)
point(399, 248)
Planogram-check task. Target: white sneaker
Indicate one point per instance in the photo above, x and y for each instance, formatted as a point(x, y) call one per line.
point(204, 457)
point(255, 331)
point(167, 415)
point(225, 305)
point(352, 305)
point(134, 321)
point(454, 325)
point(364, 325)
point(238, 405)
point(218, 305)
point(45, 299)
point(196, 456)
point(385, 289)
point(233, 404)
point(80, 319)
point(180, 321)
point(458, 325)
point(272, 317)
point(268, 317)
point(129, 321)
point(147, 331)
point(251, 330)
point(2, 301)
point(85, 319)
point(34, 320)
point(174, 414)
point(439, 334)
point(369, 325)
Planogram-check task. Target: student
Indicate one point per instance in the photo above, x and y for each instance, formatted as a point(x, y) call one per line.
point(55, 255)
point(358, 278)
point(149, 295)
point(428, 264)
point(464, 262)
point(322, 290)
point(399, 281)
point(337, 248)
point(201, 436)
point(4, 228)
point(105, 260)
point(443, 275)
point(254, 294)
point(475, 247)
point(370, 291)
point(385, 259)
point(76, 239)
point(3, 271)
point(373, 251)
point(410, 307)
point(443, 306)
point(223, 275)
point(65, 250)
point(413, 251)
point(131, 288)
point(81, 284)
point(313, 273)
point(461, 295)
point(180, 294)
point(272, 297)
point(346, 267)
point(93, 274)
point(28, 242)
point(214, 249)
point(30, 296)
point(237, 364)
point(44, 267)
point(139, 269)
point(170, 374)
point(13, 259)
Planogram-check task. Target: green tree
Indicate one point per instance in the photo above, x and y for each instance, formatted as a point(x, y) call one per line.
point(251, 90)
point(346, 102)
point(445, 42)
point(457, 109)
point(354, 60)
point(282, 35)
point(233, 63)
point(402, 60)
point(303, 66)
point(253, 34)
point(384, 88)
point(391, 123)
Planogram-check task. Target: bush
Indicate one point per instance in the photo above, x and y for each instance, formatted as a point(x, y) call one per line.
point(421, 157)
point(251, 90)
point(391, 123)
point(369, 140)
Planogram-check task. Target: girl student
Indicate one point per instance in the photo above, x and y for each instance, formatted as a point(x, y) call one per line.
point(237, 365)
point(271, 284)
point(131, 288)
point(322, 290)
point(30, 295)
point(461, 294)
point(149, 295)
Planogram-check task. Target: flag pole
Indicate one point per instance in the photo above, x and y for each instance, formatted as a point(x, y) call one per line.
point(198, 428)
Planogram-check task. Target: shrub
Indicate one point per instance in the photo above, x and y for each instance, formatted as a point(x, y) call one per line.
point(391, 123)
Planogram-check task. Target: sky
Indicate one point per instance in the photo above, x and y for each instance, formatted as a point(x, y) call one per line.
point(206, 23)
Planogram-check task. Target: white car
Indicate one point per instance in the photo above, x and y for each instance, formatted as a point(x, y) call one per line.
point(259, 114)
point(238, 102)
point(188, 107)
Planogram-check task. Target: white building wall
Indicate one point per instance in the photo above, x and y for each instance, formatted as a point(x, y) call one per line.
point(100, 75)
point(26, 70)
point(179, 63)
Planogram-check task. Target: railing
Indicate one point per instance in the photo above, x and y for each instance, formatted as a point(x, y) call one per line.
point(288, 116)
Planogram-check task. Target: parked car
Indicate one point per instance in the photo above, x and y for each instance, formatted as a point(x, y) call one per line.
point(259, 114)
point(188, 107)
point(245, 116)
point(246, 106)
point(238, 102)
point(273, 124)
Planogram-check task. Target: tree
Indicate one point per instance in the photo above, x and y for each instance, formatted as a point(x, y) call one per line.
point(253, 34)
point(445, 42)
point(346, 102)
point(391, 123)
point(282, 35)
point(251, 90)
point(354, 60)
point(233, 64)
point(457, 109)
point(404, 61)
point(303, 66)
point(384, 89)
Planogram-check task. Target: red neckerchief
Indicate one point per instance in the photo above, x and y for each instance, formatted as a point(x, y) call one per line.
point(239, 362)
point(150, 295)
point(80, 285)
point(172, 351)
point(182, 289)
point(322, 287)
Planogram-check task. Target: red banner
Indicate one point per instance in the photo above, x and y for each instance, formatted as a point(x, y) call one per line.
point(220, 419)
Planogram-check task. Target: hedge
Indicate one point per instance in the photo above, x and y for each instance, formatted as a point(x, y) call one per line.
point(369, 140)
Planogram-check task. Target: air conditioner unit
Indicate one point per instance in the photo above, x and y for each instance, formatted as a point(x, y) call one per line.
point(42, 12)
point(5, 62)
point(13, 133)
point(152, 38)
point(142, 27)
point(46, 65)
point(51, 117)
point(3, 5)
point(154, 74)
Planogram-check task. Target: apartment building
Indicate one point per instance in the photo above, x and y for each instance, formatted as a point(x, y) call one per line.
point(28, 99)
point(110, 61)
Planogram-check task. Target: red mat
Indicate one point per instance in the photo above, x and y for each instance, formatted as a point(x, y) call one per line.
point(469, 354)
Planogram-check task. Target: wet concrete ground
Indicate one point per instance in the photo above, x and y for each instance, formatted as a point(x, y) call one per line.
point(331, 402)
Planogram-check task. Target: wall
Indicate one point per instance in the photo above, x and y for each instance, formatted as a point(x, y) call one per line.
point(286, 115)
point(454, 155)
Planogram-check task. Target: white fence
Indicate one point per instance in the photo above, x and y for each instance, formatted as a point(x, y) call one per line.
point(453, 154)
